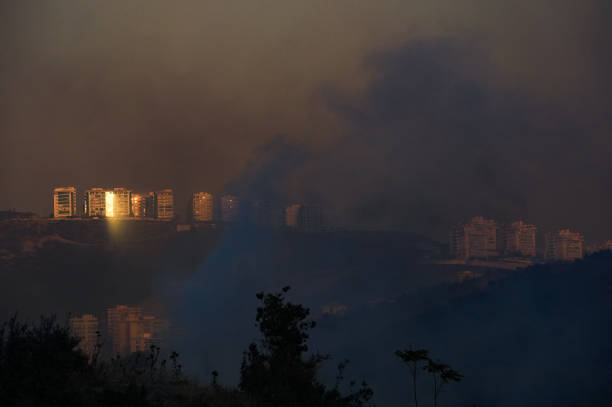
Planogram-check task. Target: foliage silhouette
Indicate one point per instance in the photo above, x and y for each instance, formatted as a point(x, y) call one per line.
point(40, 365)
point(278, 372)
point(440, 372)
point(413, 358)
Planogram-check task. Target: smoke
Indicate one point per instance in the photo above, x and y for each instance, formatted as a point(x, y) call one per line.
point(151, 95)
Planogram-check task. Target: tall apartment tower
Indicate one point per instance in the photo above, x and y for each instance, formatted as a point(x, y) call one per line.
point(202, 207)
point(125, 329)
point(142, 205)
point(94, 202)
point(64, 202)
point(86, 328)
point(131, 331)
point(230, 208)
point(520, 239)
point(111, 203)
point(564, 245)
point(474, 239)
point(121, 203)
point(164, 204)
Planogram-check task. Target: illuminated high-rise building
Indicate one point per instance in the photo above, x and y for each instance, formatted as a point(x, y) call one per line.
point(230, 208)
point(520, 238)
point(86, 328)
point(564, 245)
point(111, 203)
point(474, 239)
point(121, 203)
point(64, 202)
point(202, 207)
point(142, 205)
point(94, 202)
point(164, 204)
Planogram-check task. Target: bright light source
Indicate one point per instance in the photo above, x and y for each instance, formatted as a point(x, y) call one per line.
point(110, 204)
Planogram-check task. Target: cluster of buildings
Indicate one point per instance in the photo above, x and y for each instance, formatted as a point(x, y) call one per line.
point(114, 203)
point(123, 203)
point(128, 330)
point(481, 238)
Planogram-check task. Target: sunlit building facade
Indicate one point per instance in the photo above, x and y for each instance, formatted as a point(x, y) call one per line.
point(86, 328)
point(202, 207)
point(94, 202)
point(564, 245)
point(164, 204)
point(476, 238)
point(230, 208)
point(111, 203)
point(64, 202)
point(121, 203)
point(520, 239)
point(142, 205)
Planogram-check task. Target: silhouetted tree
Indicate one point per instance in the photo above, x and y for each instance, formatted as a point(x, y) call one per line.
point(413, 358)
point(278, 372)
point(40, 365)
point(441, 374)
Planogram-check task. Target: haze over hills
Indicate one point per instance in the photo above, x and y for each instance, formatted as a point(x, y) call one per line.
point(371, 292)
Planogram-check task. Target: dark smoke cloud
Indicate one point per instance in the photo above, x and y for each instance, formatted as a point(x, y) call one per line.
point(505, 104)
point(431, 141)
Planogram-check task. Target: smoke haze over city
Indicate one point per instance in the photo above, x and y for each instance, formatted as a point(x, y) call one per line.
point(398, 115)
point(422, 174)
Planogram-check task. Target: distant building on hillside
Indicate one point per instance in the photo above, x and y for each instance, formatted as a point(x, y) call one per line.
point(86, 328)
point(125, 329)
point(230, 208)
point(142, 205)
point(474, 239)
point(164, 204)
point(131, 331)
point(564, 245)
point(304, 218)
point(94, 202)
point(121, 203)
point(64, 202)
point(202, 207)
point(110, 203)
point(291, 216)
point(520, 239)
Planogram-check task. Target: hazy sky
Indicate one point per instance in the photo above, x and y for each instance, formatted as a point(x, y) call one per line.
point(398, 114)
